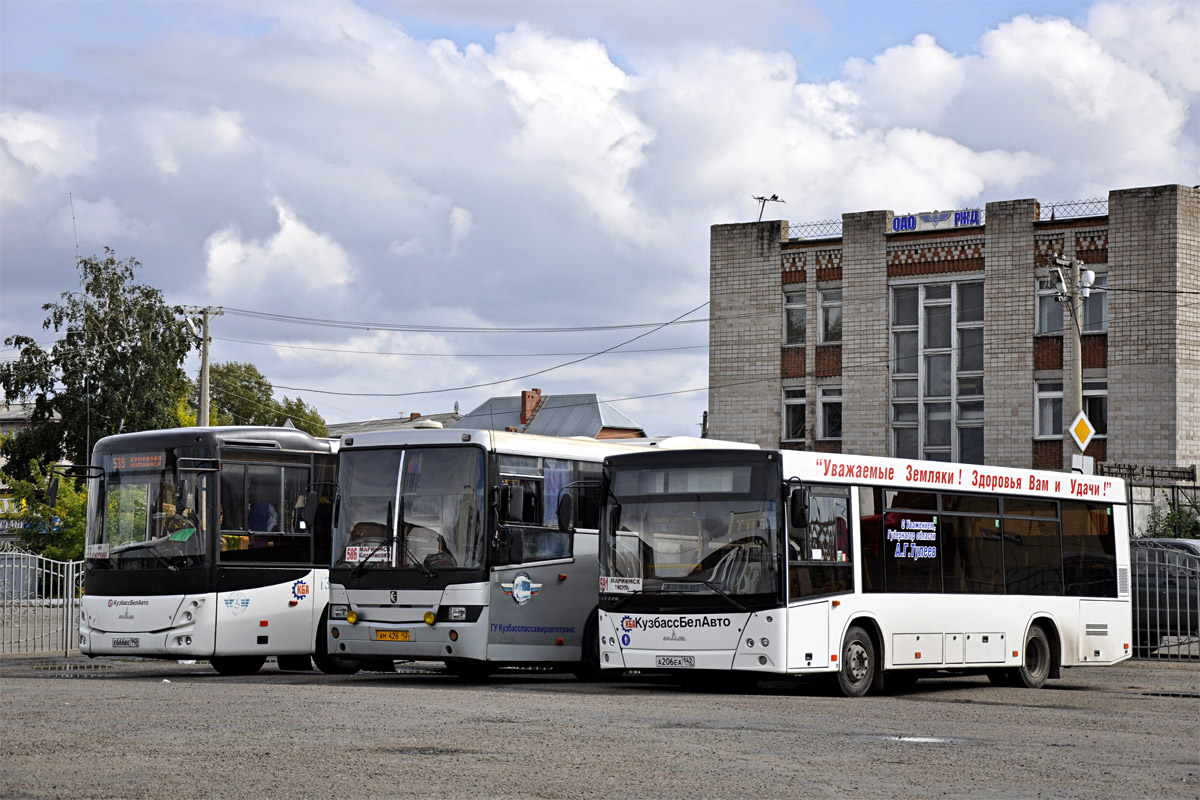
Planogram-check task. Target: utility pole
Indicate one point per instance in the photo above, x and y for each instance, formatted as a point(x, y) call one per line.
point(1076, 285)
point(205, 312)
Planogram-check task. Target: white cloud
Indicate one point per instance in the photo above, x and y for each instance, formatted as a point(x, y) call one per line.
point(908, 85)
point(238, 267)
point(55, 145)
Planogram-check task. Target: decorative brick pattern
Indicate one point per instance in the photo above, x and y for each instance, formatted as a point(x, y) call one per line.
point(933, 258)
point(792, 362)
point(1048, 245)
point(795, 267)
point(1094, 348)
point(829, 360)
point(1048, 454)
point(1091, 247)
point(1047, 352)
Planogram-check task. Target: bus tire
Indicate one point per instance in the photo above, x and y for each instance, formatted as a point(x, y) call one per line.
point(331, 665)
point(237, 665)
point(1035, 667)
point(300, 663)
point(859, 663)
point(588, 668)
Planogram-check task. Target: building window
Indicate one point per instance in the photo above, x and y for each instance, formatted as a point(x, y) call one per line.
point(1049, 409)
point(1050, 308)
point(1095, 405)
point(795, 415)
point(795, 318)
point(831, 412)
point(831, 316)
point(1095, 307)
point(937, 372)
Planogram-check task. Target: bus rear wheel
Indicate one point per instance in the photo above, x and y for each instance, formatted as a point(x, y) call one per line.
point(859, 664)
point(237, 665)
point(1035, 668)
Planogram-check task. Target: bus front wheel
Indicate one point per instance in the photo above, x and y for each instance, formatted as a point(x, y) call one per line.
point(237, 665)
point(859, 664)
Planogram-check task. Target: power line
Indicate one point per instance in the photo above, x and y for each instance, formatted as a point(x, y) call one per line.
point(392, 326)
point(506, 380)
point(449, 355)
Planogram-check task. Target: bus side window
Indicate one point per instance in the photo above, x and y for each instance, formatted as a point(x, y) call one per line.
point(819, 554)
point(233, 497)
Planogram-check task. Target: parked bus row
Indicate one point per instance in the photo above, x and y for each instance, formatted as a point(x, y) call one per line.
point(485, 549)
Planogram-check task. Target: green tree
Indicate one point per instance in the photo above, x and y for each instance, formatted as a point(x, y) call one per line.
point(117, 367)
point(56, 531)
point(1178, 522)
point(241, 395)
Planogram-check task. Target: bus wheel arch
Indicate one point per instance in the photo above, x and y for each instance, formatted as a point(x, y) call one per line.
point(588, 668)
point(1050, 628)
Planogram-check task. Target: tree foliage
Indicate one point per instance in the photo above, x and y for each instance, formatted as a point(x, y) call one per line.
point(117, 367)
point(56, 531)
point(241, 395)
point(1177, 522)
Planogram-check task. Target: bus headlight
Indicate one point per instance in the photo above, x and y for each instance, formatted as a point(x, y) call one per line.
point(352, 617)
point(338, 612)
point(457, 614)
point(430, 618)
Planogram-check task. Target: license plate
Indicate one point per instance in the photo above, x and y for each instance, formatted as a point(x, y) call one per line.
point(675, 662)
point(391, 636)
point(126, 641)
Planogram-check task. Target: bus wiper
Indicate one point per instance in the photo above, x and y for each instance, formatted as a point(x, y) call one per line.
point(424, 569)
point(619, 604)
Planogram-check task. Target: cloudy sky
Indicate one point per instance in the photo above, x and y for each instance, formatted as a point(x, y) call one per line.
point(440, 174)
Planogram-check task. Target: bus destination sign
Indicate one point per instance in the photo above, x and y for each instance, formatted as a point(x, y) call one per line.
point(123, 461)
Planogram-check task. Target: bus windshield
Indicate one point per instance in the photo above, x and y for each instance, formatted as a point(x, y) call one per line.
point(434, 521)
point(146, 514)
point(694, 529)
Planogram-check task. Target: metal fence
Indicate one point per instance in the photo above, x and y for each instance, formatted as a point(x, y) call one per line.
point(39, 602)
point(1166, 608)
point(1095, 207)
point(821, 229)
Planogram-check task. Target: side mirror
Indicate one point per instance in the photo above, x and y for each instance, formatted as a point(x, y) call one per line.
point(566, 512)
point(798, 508)
point(52, 492)
point(311, 501)
point(512, 503)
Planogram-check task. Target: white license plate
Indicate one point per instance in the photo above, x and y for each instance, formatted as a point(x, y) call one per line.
point(126, 641)
point(675, 662)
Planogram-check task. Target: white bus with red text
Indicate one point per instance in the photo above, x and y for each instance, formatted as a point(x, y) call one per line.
point(874, 570)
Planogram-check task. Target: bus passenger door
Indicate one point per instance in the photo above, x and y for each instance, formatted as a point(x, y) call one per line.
point(538, 603)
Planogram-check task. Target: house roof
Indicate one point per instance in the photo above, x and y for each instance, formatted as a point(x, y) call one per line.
point(556, 415)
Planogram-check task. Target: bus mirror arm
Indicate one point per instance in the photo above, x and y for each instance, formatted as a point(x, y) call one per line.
point(52, 491)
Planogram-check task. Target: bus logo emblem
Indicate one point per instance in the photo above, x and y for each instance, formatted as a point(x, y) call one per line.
point(522, 588)
point(300, 590)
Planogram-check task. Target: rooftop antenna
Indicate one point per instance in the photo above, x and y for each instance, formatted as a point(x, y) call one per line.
point(762, 202)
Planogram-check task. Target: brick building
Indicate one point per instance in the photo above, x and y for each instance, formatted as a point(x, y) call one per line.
point(940, 335)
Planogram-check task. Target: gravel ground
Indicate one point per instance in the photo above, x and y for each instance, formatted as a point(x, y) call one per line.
point(125, 728)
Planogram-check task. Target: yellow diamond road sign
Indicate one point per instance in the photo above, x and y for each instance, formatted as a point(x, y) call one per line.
point(1082, 431)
